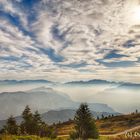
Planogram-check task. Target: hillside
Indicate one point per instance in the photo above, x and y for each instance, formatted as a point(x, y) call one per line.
point(118, 123)
point(106, 126)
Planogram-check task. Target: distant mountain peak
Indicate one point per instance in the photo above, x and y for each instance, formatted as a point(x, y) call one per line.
point(42, 88)
point(24, 81)
point(100, 82)
point(94, 81)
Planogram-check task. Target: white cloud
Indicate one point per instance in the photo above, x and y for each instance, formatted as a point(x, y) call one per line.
point(79, 31)
point(9, 7)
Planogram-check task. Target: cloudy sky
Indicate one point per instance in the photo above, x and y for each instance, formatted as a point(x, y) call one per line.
point(64, 40)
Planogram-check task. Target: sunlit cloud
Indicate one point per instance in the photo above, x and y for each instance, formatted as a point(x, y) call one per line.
point(62, 40)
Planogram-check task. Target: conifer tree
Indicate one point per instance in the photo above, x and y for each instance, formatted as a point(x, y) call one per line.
point(84, 124)
point(11, 126)
point(103, 117)
point(37, 122)
point(27, 124)
point(98, 118)
point(136, 111)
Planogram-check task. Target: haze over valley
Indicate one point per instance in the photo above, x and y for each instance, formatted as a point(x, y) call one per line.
point(43, 95)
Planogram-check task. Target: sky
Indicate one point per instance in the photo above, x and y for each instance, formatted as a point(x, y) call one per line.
point(70, 40)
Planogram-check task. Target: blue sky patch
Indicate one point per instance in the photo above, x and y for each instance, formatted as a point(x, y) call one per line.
point(9, 58)
point(122, 64)
point(52, 54)
point(114, 54)
point(76, 65)
point(13, 19)
point(56, 33)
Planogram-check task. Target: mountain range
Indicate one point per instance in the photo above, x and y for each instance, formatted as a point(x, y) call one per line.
point(41, 99)
point(24, 81)
point(92, 82)
point(104, 82)
point(45, 96)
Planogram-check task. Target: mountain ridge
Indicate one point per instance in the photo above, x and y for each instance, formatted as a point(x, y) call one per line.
point(95, 81)
point(99, 81)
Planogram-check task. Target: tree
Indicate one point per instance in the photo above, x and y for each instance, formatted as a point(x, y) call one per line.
point(27, 124)
point(27, 114)
point(33, 125)
point(136, 111)
point(98, 118)
point(11, 126)
point(103, 116)
point(37, 122)
point(37, 117)
point(84, 124)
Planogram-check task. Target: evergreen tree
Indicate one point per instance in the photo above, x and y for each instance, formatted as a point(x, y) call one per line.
point(11, 126)
point(27, 124)
point(37, 117)
point(33, 125)
point(37, 122)
point(85, 125)
point(98, 118)
point(27, 114)
point(103, 117)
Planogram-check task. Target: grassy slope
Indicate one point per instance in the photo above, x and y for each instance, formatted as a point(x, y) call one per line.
point(106, 126)
point(118, 124)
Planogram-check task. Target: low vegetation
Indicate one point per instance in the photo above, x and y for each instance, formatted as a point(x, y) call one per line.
point(116, 124)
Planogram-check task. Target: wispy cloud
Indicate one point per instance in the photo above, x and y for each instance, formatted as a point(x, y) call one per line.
point(68, 40)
